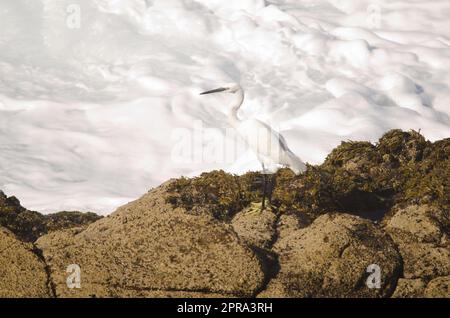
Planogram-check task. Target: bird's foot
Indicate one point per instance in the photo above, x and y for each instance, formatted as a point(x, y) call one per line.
point(257, 208)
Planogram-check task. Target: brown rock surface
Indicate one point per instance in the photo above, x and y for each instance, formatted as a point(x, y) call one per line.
point(330, 259)
point(419, 224)
point(409, 288)
point(147, 246)
point(256, 227)
point(421, 233)
point(22, 273)
point(425, 260)
point(438, 288)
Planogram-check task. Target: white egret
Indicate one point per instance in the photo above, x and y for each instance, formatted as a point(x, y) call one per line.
point(269, 146)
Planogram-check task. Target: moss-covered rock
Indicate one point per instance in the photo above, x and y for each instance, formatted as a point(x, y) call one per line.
point(357, 177)
point(68, 219)
point(30, 225)
point(401, 147)
point(310, 194)
point(217, 193)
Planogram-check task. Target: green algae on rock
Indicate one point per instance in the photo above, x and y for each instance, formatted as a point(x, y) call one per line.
point(30, 225)
point(221, 193)
point(357, 178)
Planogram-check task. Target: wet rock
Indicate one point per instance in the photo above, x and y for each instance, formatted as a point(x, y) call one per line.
point(27, 225)
point(68, 219)
point(218, 194)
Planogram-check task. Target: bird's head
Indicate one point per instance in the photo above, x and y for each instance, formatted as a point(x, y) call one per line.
point(228, 88)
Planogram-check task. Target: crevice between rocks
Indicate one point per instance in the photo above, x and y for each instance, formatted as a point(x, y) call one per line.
point(268, 258)
point(270, 266)
point(400, 273)
point(50, 284)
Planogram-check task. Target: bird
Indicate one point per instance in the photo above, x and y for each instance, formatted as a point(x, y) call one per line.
point(269, 146)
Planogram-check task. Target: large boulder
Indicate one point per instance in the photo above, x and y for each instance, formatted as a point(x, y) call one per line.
point(147, 247)
point(22, 273)
point(330, 258)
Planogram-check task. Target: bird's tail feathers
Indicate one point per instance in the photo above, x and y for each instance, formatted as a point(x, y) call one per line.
point(295, 163)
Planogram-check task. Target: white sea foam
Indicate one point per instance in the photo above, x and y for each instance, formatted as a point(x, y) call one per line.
point(90, 116)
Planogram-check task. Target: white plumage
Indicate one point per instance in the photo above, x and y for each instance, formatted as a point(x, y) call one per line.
point(269, 146)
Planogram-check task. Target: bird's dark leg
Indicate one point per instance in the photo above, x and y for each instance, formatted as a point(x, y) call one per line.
point(272, 186)
point(263, 205)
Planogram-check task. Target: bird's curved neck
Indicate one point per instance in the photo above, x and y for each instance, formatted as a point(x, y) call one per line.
point(235, 104)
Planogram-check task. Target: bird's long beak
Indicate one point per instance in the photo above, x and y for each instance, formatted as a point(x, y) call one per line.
point(217, 90)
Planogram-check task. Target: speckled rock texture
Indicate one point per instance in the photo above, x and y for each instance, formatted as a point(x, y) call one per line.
point(148, 246)
point(22, 272)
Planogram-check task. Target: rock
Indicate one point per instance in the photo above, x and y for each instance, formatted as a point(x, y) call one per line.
point(26, 225)
point(29, 225)
point(438, 288)
point(409, 288)
point(288, 223)
point(256, 227)
point(64, 220)
point(216, 193)
point(330, 259)
point(418, 224)
point(148, 246)
point(404, 147)
point(425, 260)
point(421, 233)
point(22, 273)
point(205, 236)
